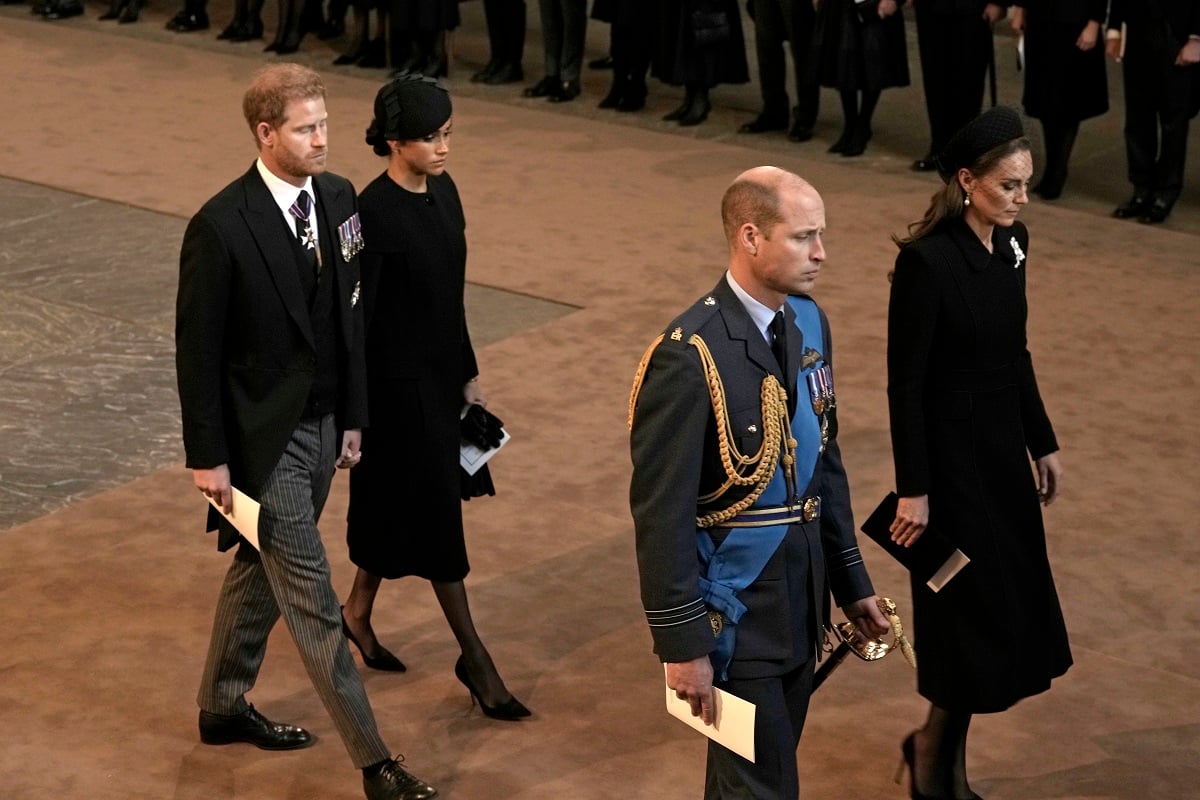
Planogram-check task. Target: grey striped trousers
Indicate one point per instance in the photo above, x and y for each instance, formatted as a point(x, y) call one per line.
point(291, 575)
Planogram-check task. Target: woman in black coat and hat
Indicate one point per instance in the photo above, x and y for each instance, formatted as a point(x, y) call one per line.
point(966, 419)
point(405, 514)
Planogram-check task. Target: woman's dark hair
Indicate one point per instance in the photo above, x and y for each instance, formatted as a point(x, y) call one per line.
point(947, 202)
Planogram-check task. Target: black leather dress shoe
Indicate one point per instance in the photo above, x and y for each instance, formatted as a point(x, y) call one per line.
point(601, 63)
point(697, 112)
point(1156, 212)
point(566, 92)
point(543, 88)
point(130, 13)
point(390, 781)
point(1135, 206)
point(799, 132)
point(186, 22)
point(63, 9)
point(765, 122)
point(253, 728)
point(509, 72)
point(924, 164)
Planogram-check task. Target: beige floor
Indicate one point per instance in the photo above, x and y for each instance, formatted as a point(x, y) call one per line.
point(605, 227)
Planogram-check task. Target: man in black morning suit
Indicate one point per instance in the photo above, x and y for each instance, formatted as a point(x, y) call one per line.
point(954, 39)
point(269, 355)
point(1162, 91)
point(740, 503)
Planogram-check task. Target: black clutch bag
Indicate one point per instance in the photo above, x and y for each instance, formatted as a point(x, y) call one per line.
point(932, 559)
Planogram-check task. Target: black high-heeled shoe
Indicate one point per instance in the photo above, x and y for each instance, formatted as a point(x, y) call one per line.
point(384, 662)
point(510, 710)
point(908, 759)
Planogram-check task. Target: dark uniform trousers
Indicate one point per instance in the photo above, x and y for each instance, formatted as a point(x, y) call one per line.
point(291, 575)
point(1158, 110)
point(774, 22)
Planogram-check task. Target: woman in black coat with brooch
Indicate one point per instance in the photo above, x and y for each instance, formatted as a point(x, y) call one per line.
point(966, 419)
point(1065, 81)
point(861, 51)
point(405, 514)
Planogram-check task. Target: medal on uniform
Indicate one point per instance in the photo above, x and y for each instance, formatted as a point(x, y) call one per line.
point(350, 237)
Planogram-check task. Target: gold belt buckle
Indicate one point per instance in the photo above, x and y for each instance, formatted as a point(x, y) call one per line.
point(811, 507)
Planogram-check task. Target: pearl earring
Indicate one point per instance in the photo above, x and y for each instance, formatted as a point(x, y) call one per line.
point(967, 199)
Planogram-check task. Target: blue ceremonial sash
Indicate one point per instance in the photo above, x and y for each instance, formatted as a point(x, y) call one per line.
point(737, 563)
point(806, 427)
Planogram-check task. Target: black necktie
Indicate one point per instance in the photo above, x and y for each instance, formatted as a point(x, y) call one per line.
point(308, 240)
point(779, 348)
point(779, 341)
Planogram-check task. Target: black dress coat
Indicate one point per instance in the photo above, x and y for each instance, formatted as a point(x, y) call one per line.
point(679, 60)
point(966, 417)
point(405, 515)
point(245, 354)
point(1062, 82)
point(856, 52)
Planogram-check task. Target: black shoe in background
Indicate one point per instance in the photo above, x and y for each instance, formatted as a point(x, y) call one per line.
point(1158, 211)
point(1135, 206)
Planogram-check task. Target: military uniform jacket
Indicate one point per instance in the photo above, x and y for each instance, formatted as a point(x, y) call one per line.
point(676, 458)
point(245, 354)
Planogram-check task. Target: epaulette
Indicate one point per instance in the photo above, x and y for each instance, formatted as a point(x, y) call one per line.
point(678, 332)
point(692, 320)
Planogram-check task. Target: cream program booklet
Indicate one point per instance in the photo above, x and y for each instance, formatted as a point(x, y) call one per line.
point(733, 721)
point(244, 516)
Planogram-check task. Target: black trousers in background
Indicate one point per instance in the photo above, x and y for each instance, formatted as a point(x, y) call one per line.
point(564, 25)
point(506, 30)
point(955, 51)
point(777, 21)
point(1158, 99)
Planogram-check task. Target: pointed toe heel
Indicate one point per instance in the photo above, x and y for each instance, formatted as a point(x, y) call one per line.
point(510, 710)
point(383, 661)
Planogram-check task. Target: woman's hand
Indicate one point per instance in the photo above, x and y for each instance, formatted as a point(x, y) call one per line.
point(887, 8)
point(994, 12)
point(473, 393)
point(1091, 34)
point(1049, 472)
point(1189, 53)
point(1018, 20)
point(912, 515)
point(1112, 47)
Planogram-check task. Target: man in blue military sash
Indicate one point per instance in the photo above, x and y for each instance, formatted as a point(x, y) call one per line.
point(740, 502)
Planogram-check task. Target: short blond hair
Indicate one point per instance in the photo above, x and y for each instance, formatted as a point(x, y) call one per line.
point(273, 88)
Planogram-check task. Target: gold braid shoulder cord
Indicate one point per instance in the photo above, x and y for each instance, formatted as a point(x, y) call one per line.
point(754, 470)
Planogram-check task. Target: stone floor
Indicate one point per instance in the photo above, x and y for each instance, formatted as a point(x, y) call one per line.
point(587, 232)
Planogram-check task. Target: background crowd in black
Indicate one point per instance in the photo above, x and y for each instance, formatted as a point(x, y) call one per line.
point(856, 48)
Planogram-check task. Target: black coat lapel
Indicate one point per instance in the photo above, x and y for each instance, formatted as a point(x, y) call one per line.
point(267, 229)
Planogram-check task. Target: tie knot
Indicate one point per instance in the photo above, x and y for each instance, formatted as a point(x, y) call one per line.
point(302, 207)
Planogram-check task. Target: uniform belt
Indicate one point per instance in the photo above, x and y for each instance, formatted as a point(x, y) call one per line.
point(806, 509)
